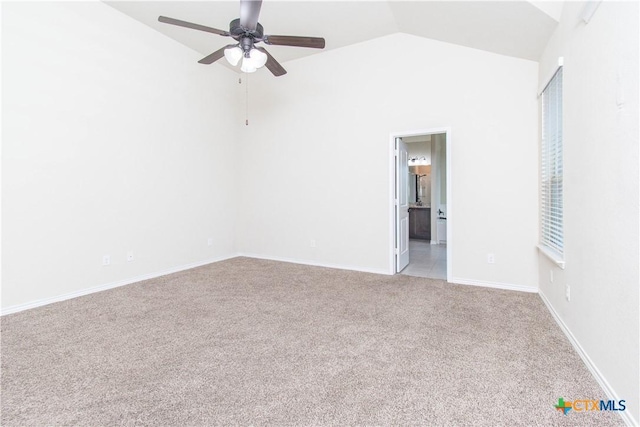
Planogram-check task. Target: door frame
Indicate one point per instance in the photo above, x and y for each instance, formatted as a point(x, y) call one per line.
point(392, 190)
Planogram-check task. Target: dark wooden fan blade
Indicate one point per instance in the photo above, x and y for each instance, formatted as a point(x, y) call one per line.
point(191, 25)
point(249, 13)
point(273, 65)
point(314, 42)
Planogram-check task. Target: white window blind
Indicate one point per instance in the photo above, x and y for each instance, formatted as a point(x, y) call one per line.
point(551, 205)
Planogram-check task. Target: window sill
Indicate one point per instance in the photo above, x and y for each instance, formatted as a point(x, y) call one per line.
point(552, 255)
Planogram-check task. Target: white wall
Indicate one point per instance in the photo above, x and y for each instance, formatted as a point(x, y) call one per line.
point(316, 155)
point(601, 191)
point(113, 139)
point(442, 169)
point(420, 149)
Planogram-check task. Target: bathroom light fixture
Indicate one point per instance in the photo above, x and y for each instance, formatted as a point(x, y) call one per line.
point(415, 161)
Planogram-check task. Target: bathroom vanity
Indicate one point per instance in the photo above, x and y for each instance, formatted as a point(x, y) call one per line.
point(420, 222)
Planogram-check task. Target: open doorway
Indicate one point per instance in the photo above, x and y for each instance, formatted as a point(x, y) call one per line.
point(421, 204)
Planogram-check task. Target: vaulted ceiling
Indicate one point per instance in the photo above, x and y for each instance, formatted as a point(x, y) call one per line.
point(515, 28)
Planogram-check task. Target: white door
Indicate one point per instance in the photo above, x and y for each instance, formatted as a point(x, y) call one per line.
point(402, 205)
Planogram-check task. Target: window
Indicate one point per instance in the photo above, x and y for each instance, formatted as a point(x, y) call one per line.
point(551, 204)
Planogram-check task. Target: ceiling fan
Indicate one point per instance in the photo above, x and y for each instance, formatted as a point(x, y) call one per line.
point(247, 31)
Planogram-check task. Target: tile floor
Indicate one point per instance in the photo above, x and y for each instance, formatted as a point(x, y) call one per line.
point(426, 260)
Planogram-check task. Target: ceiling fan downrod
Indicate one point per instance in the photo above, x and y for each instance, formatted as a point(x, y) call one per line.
point(246, 44)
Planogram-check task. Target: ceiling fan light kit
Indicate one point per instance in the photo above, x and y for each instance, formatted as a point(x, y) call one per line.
point(253, 60)
point(247, 31)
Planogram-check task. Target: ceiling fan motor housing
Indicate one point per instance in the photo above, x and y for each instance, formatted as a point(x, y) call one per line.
point(237, 31)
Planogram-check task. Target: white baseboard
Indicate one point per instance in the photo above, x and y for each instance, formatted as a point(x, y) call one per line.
point(315, 263)
point(94, 289)
point(496, 285)
point(627, 416)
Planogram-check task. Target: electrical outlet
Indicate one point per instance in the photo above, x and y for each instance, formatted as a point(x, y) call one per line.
point(130, 256)
point(567, 291)
point(491, 259)
point(551, 276)
point(313, 243)
point(106, 260)
point(210, 241)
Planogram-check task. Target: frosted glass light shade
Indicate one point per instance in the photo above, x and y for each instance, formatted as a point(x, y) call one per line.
point(255, 60)
point(247, 66)
point(233, 55)
point(258, 58)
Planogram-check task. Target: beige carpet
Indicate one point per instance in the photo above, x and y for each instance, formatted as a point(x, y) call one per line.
point(252, 342)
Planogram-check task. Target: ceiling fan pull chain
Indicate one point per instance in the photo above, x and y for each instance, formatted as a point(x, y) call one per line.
point(246, 87)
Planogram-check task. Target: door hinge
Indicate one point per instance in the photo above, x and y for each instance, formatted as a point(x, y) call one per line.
point(397, 251)
point(396, 202)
